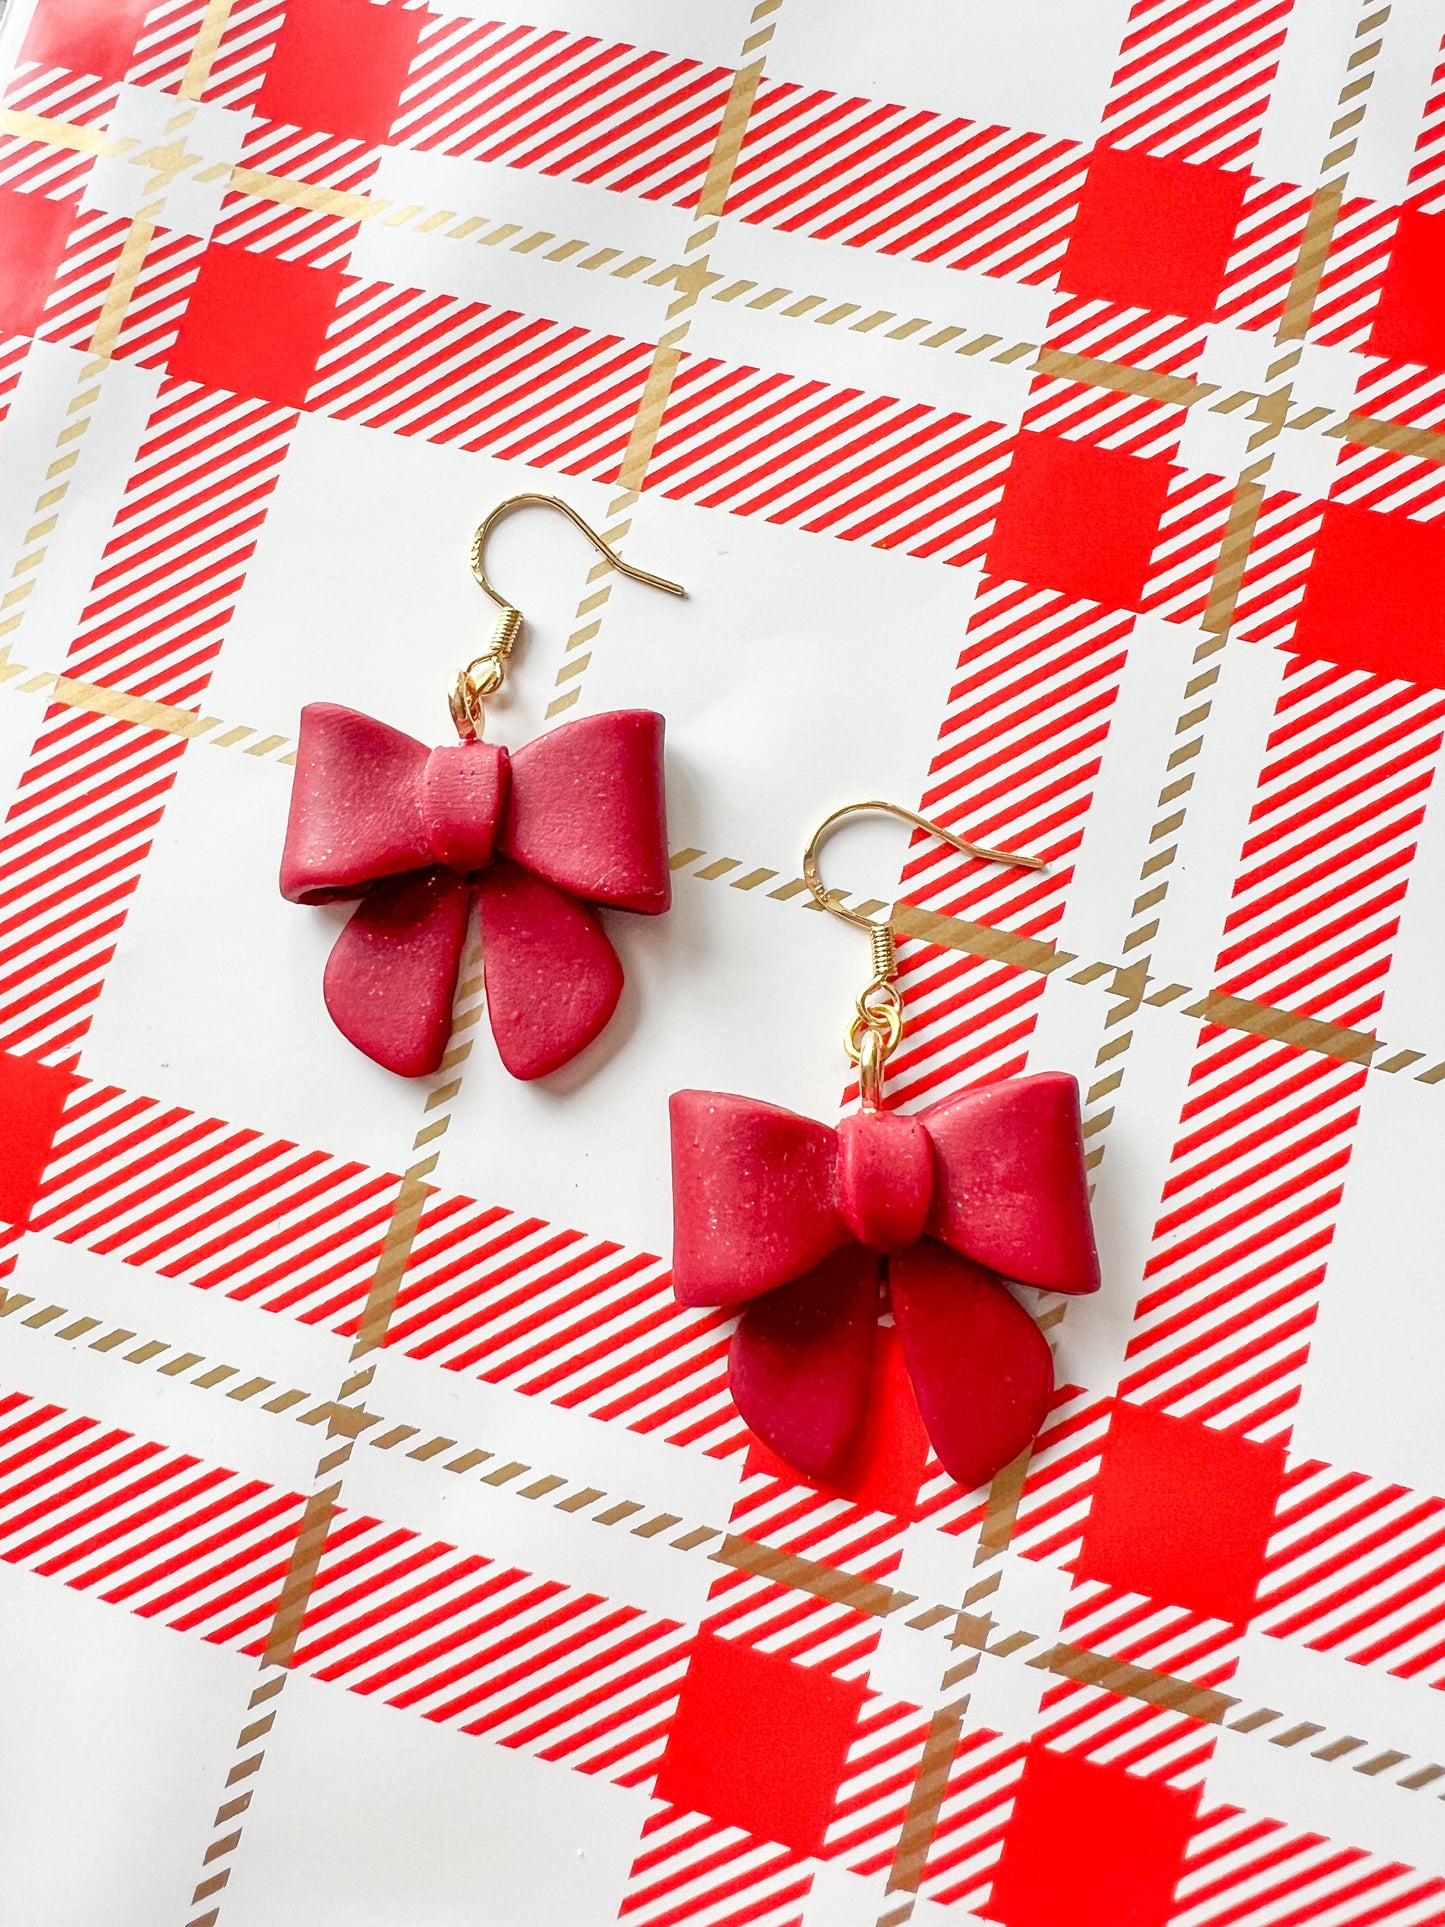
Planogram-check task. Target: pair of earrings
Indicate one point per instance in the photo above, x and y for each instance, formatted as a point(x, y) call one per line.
point(814, 1233)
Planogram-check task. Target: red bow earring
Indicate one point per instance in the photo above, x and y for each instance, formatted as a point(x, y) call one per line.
point(817, 1231)
point(573, 819)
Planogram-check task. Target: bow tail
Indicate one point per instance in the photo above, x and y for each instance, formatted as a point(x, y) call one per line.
point(553, 979)
point(392, 973)
point(801, 1363)
point(981, 1367)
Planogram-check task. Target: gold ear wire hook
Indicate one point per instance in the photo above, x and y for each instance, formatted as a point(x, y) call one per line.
point(482, 677)
point(877, 1025)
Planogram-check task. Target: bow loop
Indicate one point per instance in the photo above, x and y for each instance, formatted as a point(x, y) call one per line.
point(1010, 1189)
point(587, 810)
point(755, 1192)
point(354, 815)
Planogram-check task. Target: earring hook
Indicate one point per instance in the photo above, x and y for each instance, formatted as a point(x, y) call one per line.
point(877, 1025)
point(483, 676)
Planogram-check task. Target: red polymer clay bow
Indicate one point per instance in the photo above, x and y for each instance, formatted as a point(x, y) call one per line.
point(576, 814)
point(818, 1229)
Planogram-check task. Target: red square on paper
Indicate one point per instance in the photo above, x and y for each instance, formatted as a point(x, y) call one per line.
point(1090, 1846)
point(32, 1102)
point(339, 66)
point(759, 1742)
point(1374, 597)
point(255, 324)
point(1410, 316)
point(1079, 518)
point(1181, 1512)
point(87, 36)
point(1153, 233)
point(33, 234)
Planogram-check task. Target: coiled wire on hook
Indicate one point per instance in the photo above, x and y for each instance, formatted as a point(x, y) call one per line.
point(484, 674)
point(877, 1024)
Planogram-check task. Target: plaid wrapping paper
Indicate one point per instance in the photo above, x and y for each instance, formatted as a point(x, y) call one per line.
point(1043, 406)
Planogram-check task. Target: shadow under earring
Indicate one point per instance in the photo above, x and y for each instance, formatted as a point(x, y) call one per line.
point(574, 819)
point(816, 1233)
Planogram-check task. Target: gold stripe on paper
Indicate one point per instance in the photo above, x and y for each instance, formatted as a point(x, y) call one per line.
point(1309, 264)
point(1135, 1682)
point(60, 133)
point(806, 1575)
point(100, 701)
point(728, 145)
point(910, 1856)
point(316, 200)
point(203, 49)
point(1122, 378)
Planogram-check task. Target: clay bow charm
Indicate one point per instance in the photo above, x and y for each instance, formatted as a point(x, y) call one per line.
point(577, 814)
point(817, 1231)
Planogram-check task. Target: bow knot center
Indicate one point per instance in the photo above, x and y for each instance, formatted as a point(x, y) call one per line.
point(463, 797)
point(885, 1178)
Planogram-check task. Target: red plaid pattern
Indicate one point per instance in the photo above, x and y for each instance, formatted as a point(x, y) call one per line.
point(763, 1708)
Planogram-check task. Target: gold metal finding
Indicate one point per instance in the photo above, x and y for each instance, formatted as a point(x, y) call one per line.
point(483, 675)
point(877, 1024)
